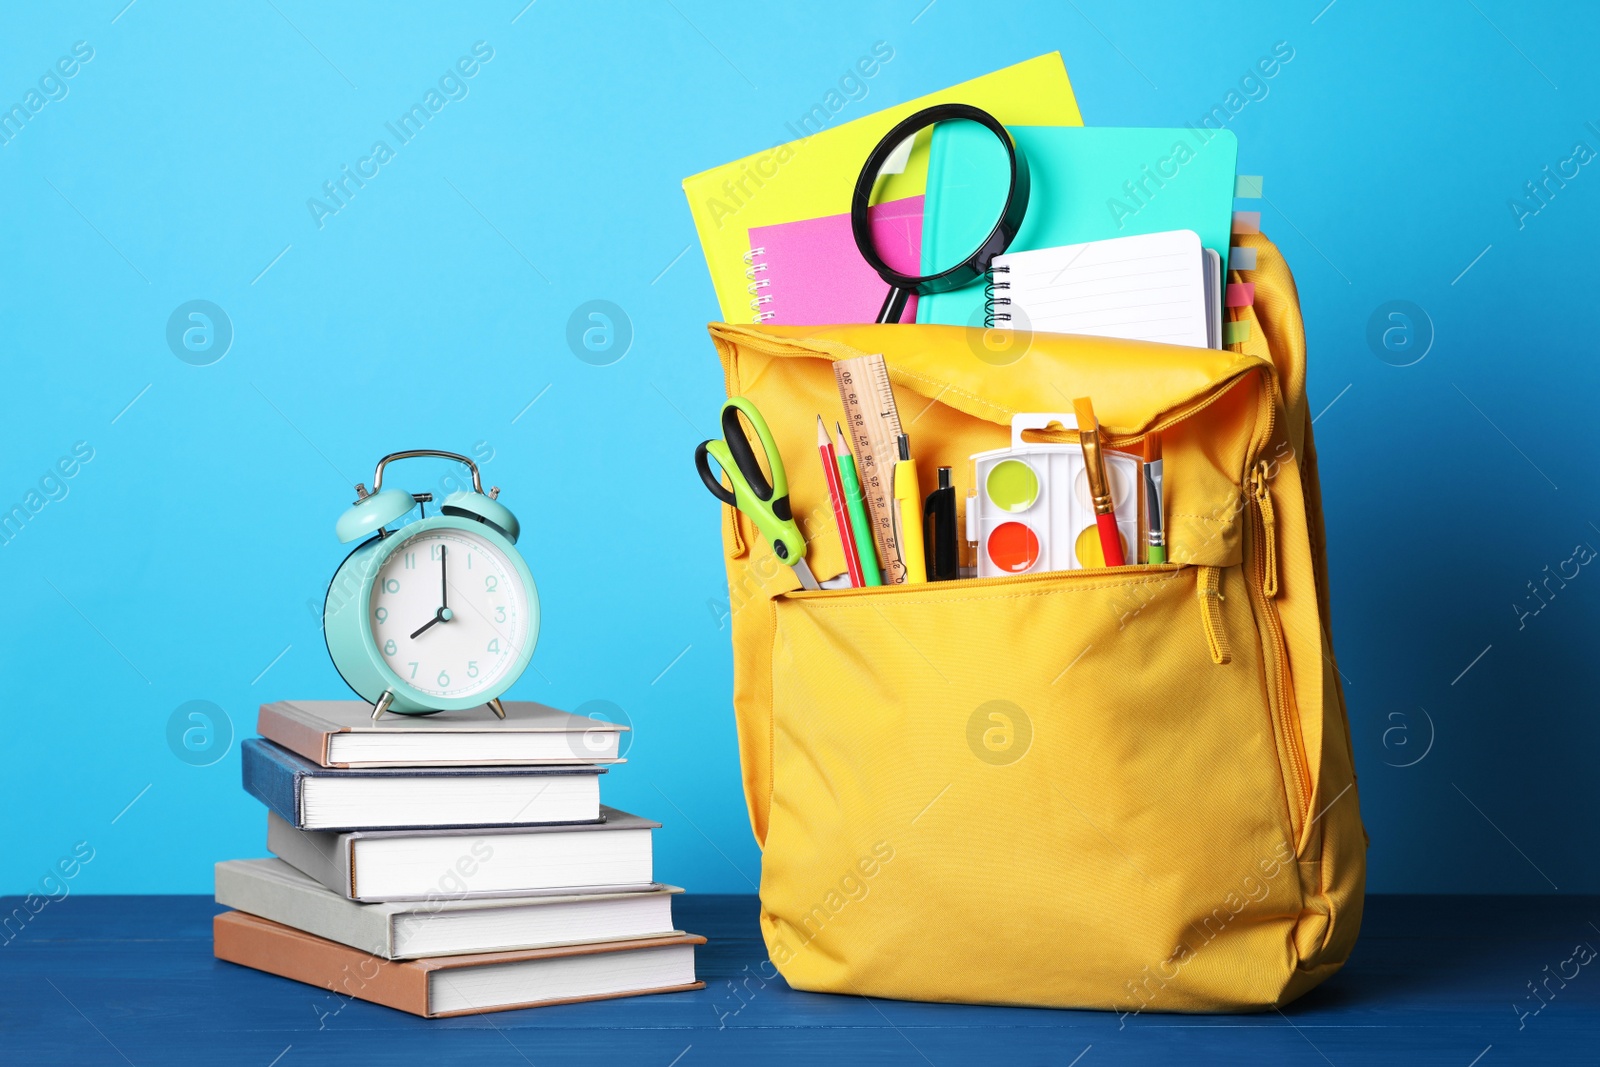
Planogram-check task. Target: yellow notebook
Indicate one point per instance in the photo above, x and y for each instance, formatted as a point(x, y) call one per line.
point(814, 177)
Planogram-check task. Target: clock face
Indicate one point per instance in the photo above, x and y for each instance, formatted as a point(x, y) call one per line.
point(449, 613)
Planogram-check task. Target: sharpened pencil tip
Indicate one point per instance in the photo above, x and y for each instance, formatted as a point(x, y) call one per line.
point(844, 447)
point(822, 433)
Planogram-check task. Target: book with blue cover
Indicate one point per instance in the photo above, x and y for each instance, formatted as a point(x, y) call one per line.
point(310, 797)
point(1089, 183)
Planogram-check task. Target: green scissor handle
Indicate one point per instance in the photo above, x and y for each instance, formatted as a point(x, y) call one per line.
point(766, 505)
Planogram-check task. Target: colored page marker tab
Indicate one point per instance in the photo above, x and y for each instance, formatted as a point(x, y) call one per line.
point(1247, 186)
point(1241, 258)
point(1241, 294)
point(1235, 333)
point(1247, 222)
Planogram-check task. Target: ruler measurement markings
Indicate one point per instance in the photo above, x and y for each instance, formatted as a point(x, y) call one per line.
point(862, 382)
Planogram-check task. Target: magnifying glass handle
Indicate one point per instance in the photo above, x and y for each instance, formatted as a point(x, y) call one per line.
point(894, 305)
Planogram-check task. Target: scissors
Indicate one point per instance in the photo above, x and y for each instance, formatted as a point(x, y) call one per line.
point(765, 505)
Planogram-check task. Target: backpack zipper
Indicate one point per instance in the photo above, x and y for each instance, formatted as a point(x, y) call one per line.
point(1131, 571)
point(1208, 589)
point(1263, 592)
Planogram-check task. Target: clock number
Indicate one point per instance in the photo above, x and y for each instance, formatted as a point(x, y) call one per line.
point(382, 615)
point(391, 585)
point(433, 552)
point(389, 648)
point(494, 646)
point(469, 561)
point(411, 561)
point(444, 679)
point(413, 669)
point(472, 668)
point(499, 613)
point(491, 583)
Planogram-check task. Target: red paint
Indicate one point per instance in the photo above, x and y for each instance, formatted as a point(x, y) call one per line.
point(1014, 547)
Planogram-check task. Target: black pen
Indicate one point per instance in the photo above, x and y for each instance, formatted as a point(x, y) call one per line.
point(942, 553)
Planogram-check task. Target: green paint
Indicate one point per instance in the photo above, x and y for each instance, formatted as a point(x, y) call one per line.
point(1013, 485)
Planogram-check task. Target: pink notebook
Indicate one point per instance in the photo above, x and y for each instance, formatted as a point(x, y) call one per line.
point(810, 273)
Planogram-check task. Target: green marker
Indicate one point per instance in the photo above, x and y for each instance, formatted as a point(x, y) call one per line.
point(860, 527)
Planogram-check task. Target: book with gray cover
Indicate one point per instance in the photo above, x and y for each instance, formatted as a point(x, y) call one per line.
point(502, 861)
point(275, 890)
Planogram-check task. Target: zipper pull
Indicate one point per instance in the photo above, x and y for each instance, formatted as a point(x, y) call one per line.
point(1208, 589)
point(1269, 526)
point(736, 546)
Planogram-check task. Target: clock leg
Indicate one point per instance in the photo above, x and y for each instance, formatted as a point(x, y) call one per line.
point(382, 705)
point(497, 707)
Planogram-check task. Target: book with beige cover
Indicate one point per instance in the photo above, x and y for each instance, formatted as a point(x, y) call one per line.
point(461, 985)
point(342, 733)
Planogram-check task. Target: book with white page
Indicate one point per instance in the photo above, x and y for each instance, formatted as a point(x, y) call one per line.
point(447, 926)
point(342, 733)
point(461, 985)
point(1150, 287)
point(506, 861)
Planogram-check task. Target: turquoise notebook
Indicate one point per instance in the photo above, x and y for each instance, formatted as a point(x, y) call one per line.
point(1089, 183)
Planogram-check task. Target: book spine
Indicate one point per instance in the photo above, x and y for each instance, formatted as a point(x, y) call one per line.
point(993, 300)
point(303, 739)
point(754, 271)
point(271, 781)
point(267, 946)
point(306, 908)
point(323, 856)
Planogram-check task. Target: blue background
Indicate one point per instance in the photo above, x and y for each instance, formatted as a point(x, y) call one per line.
point(432, 309)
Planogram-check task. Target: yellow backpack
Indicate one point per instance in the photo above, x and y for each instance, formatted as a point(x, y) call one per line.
point(1125, 789)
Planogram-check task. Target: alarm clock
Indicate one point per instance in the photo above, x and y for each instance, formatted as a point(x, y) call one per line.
point(438, 614)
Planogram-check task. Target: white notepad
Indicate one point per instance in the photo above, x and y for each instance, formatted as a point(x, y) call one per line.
point(1151, 287)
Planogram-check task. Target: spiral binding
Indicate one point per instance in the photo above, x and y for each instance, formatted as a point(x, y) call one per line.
point(990, 301)
point(751, 270)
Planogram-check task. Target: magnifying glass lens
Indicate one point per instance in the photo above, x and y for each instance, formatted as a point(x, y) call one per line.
point(980, 182)
point(972, 173)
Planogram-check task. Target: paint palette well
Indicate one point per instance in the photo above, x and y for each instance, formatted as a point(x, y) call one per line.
point(1033, 512)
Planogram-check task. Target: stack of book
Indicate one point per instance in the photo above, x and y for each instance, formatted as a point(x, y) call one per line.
point(447, 865)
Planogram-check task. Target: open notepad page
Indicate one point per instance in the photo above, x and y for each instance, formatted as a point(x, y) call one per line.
point(1150, 287)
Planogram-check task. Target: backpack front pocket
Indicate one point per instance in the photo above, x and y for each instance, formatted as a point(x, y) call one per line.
point(1048, 777)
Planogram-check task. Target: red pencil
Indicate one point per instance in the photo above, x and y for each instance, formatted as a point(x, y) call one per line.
point(841, 515)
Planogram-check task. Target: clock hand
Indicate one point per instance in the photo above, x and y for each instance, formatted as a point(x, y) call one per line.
point(442, 615)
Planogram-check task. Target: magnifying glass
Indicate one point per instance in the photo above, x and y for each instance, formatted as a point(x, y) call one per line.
point(938, 276)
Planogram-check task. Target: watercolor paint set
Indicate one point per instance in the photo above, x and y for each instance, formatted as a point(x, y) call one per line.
point(1033, 507)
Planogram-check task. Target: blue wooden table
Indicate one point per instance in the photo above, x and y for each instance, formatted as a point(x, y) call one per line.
point(1434, 980)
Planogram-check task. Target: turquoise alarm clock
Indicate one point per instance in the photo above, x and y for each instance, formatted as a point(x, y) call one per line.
point(439, 614)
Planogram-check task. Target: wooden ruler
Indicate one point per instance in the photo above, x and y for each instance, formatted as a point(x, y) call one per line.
point(873, 422)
